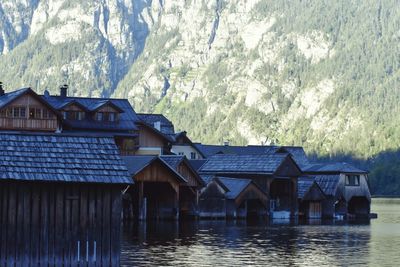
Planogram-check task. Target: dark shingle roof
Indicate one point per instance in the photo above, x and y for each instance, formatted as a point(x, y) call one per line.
point(303, 185)
point(166, 126)
point(297, 153)
point(8, 97)
point(338, 167)
point(173, 161)
point(136, 164)
point(127, 120)
point(61, 158)
point(207, 178)
point(328, 183)
point(234, 185)
point(263, 164)
point(197, 163)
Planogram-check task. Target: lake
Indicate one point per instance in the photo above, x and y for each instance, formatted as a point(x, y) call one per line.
point(219, 243)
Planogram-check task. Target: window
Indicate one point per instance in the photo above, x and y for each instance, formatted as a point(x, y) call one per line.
point(111, 116)
point(19, 112)
point(352, 180)
point(35, 113)
point(99, 116)
point(47, 114)
point(64, 115)
point(181, 153)
point(192, 155)
point(3, 113)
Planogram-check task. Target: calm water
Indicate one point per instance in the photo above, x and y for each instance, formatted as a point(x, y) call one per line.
point(216, 243)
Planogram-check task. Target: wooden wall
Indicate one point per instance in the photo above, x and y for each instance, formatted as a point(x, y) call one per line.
point(28, 102)
point(149, 139)
point(55, 224)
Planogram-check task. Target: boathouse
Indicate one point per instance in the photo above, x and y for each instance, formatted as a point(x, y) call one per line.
point(276, 174)
point(311, 198)
point(189, 191)
point(232, 198)
point(156, 192)
point(60, 200)
point(346, 188)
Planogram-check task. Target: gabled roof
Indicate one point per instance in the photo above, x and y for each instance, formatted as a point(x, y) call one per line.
point(105, 102)
point(11, 96)
point(328, 183)
point(136, 164)
point(127, 118)
point(166, 125)
point(305, 184)
point(297, 152)
point(166, 137)
point(248, 164)
point(338, 167)
point(197, 163)
point(61, 158)
point(72, 102)
point(174, 161)
point(234, 185)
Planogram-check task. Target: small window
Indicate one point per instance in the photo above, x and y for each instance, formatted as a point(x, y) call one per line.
point(111, 116)
point(80, 115)
point(99, 116)
point(3, 113)
point(192, 155)
point(352, 180)
point(64, 115)
point(19, 112)
point(46, 114)
point(181, 153)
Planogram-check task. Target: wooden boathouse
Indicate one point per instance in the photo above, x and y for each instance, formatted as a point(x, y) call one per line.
point(60, 200)
point(232, 198)
point(276, 174)
point(156, 193)
point(346, 189)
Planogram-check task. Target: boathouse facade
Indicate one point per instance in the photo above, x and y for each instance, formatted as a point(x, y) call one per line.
point(60, 200)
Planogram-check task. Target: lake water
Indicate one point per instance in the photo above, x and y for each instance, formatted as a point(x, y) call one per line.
point(219, 243)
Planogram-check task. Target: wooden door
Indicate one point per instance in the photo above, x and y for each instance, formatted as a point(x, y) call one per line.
point(315, 210)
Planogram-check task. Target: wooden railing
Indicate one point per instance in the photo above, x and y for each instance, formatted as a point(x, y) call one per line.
point(22, 123)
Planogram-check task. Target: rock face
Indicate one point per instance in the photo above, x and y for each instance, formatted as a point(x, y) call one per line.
point(248, 71)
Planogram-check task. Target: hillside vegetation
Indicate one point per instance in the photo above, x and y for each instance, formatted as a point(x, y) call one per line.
point(322, 74)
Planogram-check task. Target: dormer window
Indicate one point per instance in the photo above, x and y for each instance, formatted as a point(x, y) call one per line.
point(99, 116)
point(106, 116)
point(73, 115)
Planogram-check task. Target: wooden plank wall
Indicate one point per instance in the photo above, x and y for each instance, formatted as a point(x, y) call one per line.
point(50, 224)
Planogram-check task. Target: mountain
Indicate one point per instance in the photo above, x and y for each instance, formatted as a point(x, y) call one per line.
point(322, 74)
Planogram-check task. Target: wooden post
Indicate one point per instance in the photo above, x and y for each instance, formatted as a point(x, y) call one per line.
point(177, 204)
point(142, 205)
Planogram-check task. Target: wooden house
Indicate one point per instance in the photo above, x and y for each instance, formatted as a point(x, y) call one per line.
point(60, 200)
point(346, 188)
point(311, 198)
point(232, 198)
point(189, 191)
point(179, 143)
point(23, 109)
point(156, 192)
point(276, 174)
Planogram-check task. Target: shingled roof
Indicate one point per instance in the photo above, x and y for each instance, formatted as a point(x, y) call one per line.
point(337, 167)
point(256, 164)
point(234, 185)
point(166, 126)
point(136, 164)
point(127, 118)
point(297, 152)
point(61, 158)
point(9, 97)
point(328, 183)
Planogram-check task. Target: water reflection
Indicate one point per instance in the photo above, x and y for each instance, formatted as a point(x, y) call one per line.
point(238, 243)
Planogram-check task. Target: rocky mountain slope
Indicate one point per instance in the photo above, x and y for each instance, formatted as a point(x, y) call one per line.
point(323, 74)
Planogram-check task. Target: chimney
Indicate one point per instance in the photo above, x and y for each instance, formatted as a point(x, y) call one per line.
point(63, 90)
point(1, 89)
point(226, 143)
